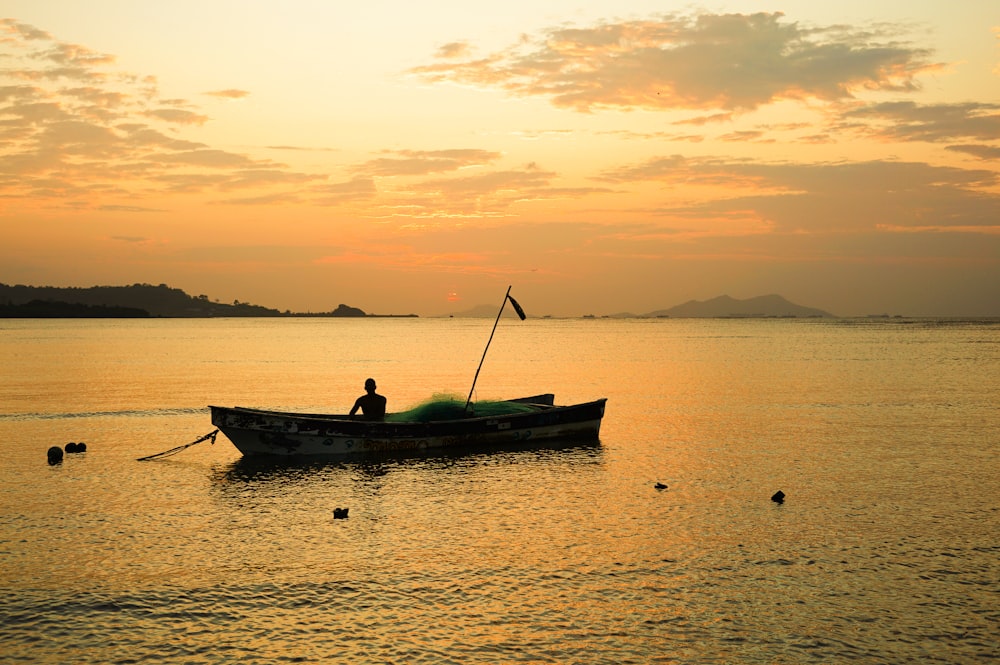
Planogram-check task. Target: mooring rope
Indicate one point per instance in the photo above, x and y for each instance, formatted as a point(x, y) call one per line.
point(174, 451)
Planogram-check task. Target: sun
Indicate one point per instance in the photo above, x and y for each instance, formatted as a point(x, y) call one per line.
point(453, 296)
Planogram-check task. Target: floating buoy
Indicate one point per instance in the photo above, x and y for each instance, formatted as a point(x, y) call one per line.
point(778, 497)
point(660, 486)
point(55, 455)
point(71, 447)
point(340, 513)
point(81, 447)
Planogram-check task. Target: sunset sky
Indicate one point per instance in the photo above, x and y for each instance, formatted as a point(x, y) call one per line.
point(421, 156)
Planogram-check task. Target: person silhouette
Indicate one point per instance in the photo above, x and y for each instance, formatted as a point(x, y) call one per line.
point(372, 404)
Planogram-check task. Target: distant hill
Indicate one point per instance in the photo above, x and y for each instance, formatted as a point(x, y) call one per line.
point(52, 309)
point(134, 300)
point(21, 301)
point(770, 306)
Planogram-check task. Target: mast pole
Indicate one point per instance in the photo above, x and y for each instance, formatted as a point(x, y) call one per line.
point(476, 378)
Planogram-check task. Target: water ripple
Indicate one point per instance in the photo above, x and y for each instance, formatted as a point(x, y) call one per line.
point(124, 413)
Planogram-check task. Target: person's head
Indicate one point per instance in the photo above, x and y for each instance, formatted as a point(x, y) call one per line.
point(369, 384)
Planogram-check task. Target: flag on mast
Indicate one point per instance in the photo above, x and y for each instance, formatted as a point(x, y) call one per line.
point(517, 308)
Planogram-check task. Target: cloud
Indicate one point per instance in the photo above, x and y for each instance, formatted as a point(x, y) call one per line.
point(705, 119)
point(909, 121)
point(84, 143)
point(986, 152)
point(490, 183)
point(359, 188)
point(218, 159)
point(97, 97)
point(261, 176)
point(74, 63)
point(73, 130)
point(829, 198)
point(421, 162)
point(226, 180)
point(442, 184)
point(229, 93)
point(278, 198)
point(730, 62)
point(484, 194)
point(22, 30)
point(127, 208)
point(178, 116)
point(453, 50)
point(300, 148)
point(142, 136)
point(748, 135)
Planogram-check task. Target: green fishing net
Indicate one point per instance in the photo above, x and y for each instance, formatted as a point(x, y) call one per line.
point(451, 407)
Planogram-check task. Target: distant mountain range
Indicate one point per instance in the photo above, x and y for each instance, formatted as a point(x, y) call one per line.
point(141, 300)
point(770, 306)
point(137, 300)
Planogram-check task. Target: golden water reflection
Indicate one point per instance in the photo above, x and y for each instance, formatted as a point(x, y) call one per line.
point(881, 435)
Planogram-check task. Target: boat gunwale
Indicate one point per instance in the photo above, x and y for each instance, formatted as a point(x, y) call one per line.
point(339, 418)
point(343, 418)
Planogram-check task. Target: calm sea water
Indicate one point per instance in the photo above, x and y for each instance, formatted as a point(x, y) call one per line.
point(883, 434)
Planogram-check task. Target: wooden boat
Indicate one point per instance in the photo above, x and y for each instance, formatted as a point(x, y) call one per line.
point(261, 432)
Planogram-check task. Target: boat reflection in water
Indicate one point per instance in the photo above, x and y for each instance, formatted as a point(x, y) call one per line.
point(575, 452)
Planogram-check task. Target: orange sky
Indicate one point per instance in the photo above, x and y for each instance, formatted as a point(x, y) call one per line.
point(419, 157)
